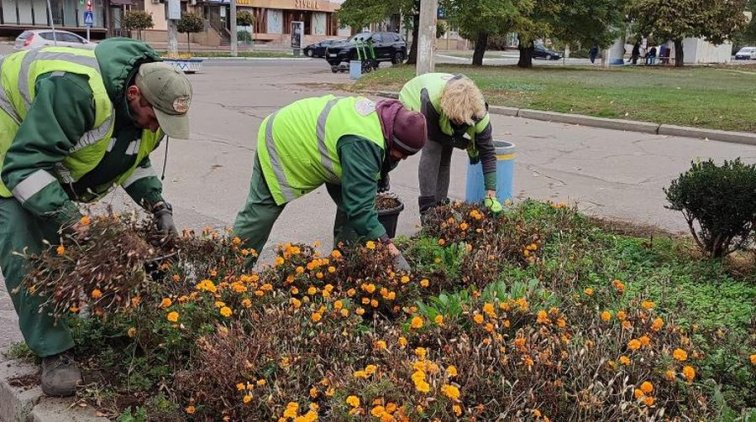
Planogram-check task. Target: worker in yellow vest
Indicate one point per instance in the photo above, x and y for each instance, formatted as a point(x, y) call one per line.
point(75, 123)
point(348, 144)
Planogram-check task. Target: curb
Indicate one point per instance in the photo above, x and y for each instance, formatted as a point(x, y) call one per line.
point(252, 58)
point(28, 403)
point(615, 124)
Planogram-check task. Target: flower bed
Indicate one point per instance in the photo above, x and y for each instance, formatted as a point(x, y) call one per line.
point(533, 315)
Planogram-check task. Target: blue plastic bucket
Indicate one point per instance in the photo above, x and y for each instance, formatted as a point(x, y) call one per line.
point(475, 190)
point(355, 69)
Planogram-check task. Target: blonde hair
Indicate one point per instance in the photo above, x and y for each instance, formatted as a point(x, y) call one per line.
point(462, 101)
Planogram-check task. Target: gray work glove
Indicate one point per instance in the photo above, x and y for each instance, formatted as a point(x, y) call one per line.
point(384, 183)
point(401, 264)
point(163, 213)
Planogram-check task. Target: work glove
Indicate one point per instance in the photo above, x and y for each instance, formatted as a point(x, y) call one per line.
point(384, 184)
point(163, 213)
point(401, 264)
point(493, 205)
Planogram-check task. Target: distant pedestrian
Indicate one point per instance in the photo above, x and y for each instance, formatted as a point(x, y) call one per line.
point(593, 53)
point(636, 53)
point(651, 56)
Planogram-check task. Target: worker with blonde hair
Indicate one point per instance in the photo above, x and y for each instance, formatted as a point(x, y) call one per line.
point(457, 117)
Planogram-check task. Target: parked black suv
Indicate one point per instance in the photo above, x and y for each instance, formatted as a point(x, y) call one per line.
point(388, 46)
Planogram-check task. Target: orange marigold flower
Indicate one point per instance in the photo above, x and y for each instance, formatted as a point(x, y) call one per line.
point(316, 317)
point(402, 342)
point(451, 371)
point(335, 254)
point(190, 409)
point(370, 369)
point(96, 294)
point(647, 387)
point(588, 291)
point(680, 355)
point(370, 244)
point(226, 311)
point(689, 373)
point(236, 241)
point(353, 401)
point(457, 409)
point(166, 302)
point(417, 322)
point(626, 325)
point(246, 303)
point(359, 311)
point(85, 220)
point(450, 391)
point(647, 304)
point(424, 282)
point(478, 318)
point(173, 316)
point(670, 375)
point(753, 359)
point(645, 340)
point(638, 393)
point(657, 324)
point(619, 286)
point(380, 345)
point(279, 261)
point(649, 401)
point(132, 332)
point(633, 344)
point(439, 320)
point(621, 315)
point(606, 316)
point(624, 360)
point(247, 398)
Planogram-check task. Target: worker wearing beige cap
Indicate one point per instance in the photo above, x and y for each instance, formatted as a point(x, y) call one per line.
point(74, 124)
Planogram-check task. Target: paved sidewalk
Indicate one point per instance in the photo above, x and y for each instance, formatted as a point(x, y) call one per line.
point(608, 173)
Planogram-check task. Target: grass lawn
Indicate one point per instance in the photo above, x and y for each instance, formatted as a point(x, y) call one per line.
point(721, 97)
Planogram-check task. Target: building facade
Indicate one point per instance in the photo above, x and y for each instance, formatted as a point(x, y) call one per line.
point(18, 15)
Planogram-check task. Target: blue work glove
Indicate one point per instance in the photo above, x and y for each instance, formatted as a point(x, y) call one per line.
point(493, 205)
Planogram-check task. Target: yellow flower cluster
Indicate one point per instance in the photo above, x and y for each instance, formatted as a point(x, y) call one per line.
point(207, 286)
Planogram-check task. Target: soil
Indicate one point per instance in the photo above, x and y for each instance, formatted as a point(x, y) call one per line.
point(25, 382)
point(386, 202)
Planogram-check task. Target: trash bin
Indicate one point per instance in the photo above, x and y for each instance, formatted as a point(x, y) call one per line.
point(389, 218)
point(355, 69)
point(475, 190)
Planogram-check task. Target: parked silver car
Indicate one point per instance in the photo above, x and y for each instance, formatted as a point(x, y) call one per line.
point(44, 37)
point(746, 53)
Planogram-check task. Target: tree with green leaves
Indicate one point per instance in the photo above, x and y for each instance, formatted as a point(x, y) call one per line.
point(591, 22)
point(188, 24)
point(476, 20)
point(137, 20)
point(714, 20)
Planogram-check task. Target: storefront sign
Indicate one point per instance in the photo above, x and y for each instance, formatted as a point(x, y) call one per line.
point(306, 4)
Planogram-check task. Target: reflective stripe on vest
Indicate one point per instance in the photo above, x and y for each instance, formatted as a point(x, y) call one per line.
point(33, 184)
point(325, 157)
point(138, 174)
point(275, 161)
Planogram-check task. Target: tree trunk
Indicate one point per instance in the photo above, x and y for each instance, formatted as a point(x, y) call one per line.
point(188, 44)
point(679, 53)
point(415, 34)
point(526, 55)
point(480, 48)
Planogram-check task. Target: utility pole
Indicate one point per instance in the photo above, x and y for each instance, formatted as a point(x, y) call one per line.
point(234, 31)
point(52, 23)
point(174, 14)
point(426, 36)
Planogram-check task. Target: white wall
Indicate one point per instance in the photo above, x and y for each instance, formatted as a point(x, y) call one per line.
point(698, 51)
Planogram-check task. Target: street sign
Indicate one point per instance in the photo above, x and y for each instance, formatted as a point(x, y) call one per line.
point(88, 18)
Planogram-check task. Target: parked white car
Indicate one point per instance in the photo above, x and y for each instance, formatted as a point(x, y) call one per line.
point(746, 53)
point(44, 37)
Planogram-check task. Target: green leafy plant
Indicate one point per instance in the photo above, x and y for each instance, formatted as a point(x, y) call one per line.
point(188, 24)
point(245, 18)
point(137, 20)
point(721, 200)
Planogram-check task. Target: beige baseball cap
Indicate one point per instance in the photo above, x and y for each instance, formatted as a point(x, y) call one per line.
point(170, 94)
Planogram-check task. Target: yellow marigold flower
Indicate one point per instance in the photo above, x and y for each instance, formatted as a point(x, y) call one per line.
point(561, 323)
point(316, 317)
point(246, 303)
point(335, 254)
point(331, 269)
point(621, 315)
point(166, 302)
point(624, 360)
point(190, 409)
point(543, 317)
point(606, 316)
point(478, 318)
point(647, 304)
point(647, 387)
point(365, 300)
point(588, 291)
point(634, 344)
point(314, 392)
point(402, 342)
point(689, 373)
point(226, 311)
point(489, 309)
point(680, 354)
point(132, 332)
point(670, 375)
point(391, 407)
point(312, 290)
point(422, 386)
point(451, 371)
point(450, 391)
point(247, 398)
point(374, 303)
point(649, 401)
point(359, 311)
point(439, 320)
point(338, 305)
point(378, 411)
point(457, 409)
point(173, 316)
point(645, 341)
point(219, 304)
point(206, 285)
point(370, 244)
point(360, 374)
point(370, 369)
point(405, 279)
point(424, 282)
point(241, 386)
point(657, 324)
point(380, 345)
point(638, 393)
point(291, 410)
point(417, 322)
point(463, 226)
point(279, 261)
point(96, 294)
point(261, 382)
point(353, 401)
point(421, 352)
point(344, 312)
point(753, 359)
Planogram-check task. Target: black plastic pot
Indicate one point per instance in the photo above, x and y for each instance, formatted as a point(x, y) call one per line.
point(389, 218)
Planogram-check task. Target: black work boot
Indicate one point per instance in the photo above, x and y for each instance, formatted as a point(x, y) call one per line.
point(60, 375)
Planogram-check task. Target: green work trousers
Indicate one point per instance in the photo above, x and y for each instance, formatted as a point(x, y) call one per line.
point(21, 231)
point(255, 221)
